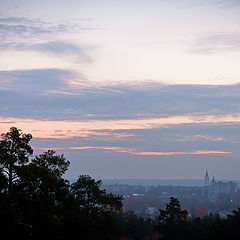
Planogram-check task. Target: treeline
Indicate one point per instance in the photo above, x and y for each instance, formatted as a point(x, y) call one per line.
point(174, 223)
point(36, 202)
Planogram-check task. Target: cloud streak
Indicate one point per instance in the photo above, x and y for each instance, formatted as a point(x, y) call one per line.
point(70, 129)
point(66, 94)
point(21, 28)
point(134, 151)
point(58, 48)
point(199, 137)
point(37, 81)
point(21, 34)
point(217, 43)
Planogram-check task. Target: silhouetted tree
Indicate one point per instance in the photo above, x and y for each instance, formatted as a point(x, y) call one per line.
point(3, 182)
point(57, 165)
point(133, 226)
point(14, 151)
point(97, 207)
point(172, 221)
point(92, 199)
point(42, 192)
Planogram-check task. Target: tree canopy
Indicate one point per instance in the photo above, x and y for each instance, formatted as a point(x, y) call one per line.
point(14, 152)
point(37, 202)
point(172, 221)
point(92, 199)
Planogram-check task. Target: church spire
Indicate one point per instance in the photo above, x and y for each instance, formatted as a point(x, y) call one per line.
point(213, 180)
point(206, 179)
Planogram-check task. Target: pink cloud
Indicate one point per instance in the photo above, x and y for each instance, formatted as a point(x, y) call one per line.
point(104, 128)
point(134, 151)
point(4, 81)
point(199, 136)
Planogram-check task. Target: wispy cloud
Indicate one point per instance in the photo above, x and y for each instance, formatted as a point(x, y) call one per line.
point(37, 80)
point(25, 34)
point(20, 27)
point(134, 151)
point(200, 137)
point(70, 129)
point(227, 3)
point(217, 42)
point(58, 48)
point(198, 3)
point(101, 135)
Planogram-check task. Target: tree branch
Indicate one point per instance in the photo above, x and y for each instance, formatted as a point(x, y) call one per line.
point(6, 172)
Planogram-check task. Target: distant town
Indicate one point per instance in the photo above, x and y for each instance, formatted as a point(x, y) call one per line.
point(213, 197)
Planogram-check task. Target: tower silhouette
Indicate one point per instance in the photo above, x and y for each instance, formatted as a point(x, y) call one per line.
point(213, 180)
point(206, 179)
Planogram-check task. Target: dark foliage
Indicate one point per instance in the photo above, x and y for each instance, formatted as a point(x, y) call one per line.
point(172, 221)
point(133, 226)
point(173, 224)
point(37, 203)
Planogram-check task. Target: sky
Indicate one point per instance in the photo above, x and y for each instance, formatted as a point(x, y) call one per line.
point(145, 89)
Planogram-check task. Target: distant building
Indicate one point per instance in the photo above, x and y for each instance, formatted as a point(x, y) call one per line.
point(221, 190)
point(206, 179)
point(213, 180)
point(218, 190)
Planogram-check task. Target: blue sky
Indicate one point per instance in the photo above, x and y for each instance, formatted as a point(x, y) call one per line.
point(125, 89)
